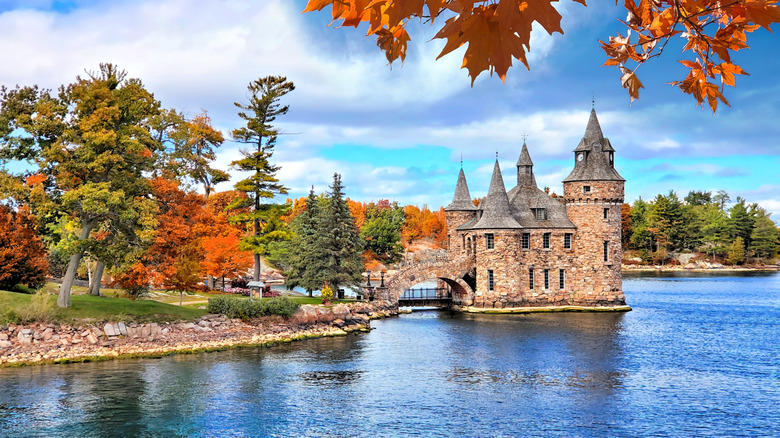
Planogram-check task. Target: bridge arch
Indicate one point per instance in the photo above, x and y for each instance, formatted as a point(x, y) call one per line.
point(451, 272)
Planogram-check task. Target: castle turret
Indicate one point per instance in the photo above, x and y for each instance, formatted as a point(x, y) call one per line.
point(594, 194)
point(525, 169)
point(460, 211)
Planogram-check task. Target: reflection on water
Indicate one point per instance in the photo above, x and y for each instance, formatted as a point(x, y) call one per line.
point(698, 356)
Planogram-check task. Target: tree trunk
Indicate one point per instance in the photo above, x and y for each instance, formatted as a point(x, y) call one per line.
point(311, 293)
point(256, 277)
point(94, 286)
point(63, 300)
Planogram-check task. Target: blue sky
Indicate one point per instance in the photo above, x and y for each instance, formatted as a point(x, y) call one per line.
point(399, 132)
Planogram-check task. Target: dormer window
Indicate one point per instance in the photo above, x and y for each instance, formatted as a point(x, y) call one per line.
point(585, 189)
point(528, 170)
point(612, 158)
point(540, 214)
point(580, 156)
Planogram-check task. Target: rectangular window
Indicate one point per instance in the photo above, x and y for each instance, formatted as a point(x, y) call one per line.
point(530, 278)
point(526, 242)
point(562, 279)
point(541, 214)
point(585, 189)
point(489, 241)
point(546, 241)
point(606, 251)
point(606, 213)
point(490, 279)
point(546, 279)
point(567, 241)
point(528, 170)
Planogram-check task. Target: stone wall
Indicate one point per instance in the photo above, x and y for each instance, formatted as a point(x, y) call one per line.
point(454, 238)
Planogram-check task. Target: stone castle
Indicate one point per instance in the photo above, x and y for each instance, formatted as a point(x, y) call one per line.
point(525, 248)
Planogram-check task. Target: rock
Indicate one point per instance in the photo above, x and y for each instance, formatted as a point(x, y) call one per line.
point(188, 326)
point(146, 331)
point(154, 329)
point(26, 331)
point(3, 337)
point(48, 334)
point(716, 266)
point(306, 314)
point(338, 323)
point(341, 311)
point(38, 335)
point(92, 339)
point(690, 266)
point(122, 329)
point(204, 323)
point(5, 344)
point(324, 315)
point(109, 329)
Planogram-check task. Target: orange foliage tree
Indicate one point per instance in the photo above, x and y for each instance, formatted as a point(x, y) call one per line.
point(177, 250)
point(223, 258)
point(22, 256)
point(499, 31)
point(424, 224)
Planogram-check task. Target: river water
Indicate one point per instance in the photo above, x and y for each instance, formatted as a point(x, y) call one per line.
point(698, 356)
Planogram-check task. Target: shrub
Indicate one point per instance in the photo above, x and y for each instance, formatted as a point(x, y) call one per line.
point(327, 294)
point(245, 309)
point(40, 309)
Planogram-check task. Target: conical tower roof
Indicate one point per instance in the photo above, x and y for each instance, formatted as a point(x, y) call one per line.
point(495, 209)
point(462, 199)
point(595, 166)
point(525, 157)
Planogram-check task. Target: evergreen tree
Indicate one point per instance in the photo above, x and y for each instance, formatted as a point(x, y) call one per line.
point(736, 254)
point(763, 239)
point(715, 230)
point(741, 220)
point(259, 133)
point(641, 238)
point(304, 258)
point(698, 197)
point(664, 221)
point(339, 241)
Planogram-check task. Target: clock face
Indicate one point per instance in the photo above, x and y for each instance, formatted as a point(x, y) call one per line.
point(580, 156)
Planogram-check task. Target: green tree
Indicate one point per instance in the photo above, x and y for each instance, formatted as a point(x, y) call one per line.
point(736, 254)
point(339, 241)
point(664, 221)
point(741, 220)
point(763, 239)
point(715, 230)
point(304, 259)
point(721, 199)
point(698, 197)
point(382, 232)
point(260, 134)
point(641, 238)
point(93, 140)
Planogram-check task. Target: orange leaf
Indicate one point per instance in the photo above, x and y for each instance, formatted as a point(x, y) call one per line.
point(631, 82)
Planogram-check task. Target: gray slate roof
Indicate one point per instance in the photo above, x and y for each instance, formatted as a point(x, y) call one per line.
point(525, 157)
point(496, 213)
point(462, 199)
point(596, 165)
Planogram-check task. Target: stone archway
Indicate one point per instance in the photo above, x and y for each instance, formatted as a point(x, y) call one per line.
point(452, 272)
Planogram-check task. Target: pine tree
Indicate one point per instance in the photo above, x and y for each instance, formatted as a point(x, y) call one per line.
point(304, 258)
point(736, 253)
point(339, 241)
point(763, 239)
point(259, 133)
point(741, 219)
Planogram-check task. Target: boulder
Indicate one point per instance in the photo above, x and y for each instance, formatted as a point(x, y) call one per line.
point(338, 323)
point(305, 315)
point(690, 266)
point(341, 311)
point(3, 337)
point(122, 328)
point(6, 344)
point(324, 315)
point(48, 334)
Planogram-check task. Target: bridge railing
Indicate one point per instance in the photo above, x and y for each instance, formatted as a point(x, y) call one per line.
point(427, 294)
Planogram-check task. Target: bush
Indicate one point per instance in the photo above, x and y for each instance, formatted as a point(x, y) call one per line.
point(40, 309)
point(245, 309)
point(326, 294)
point(8, 315)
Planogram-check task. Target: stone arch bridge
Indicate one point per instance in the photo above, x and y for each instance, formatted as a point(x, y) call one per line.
point(456, 273)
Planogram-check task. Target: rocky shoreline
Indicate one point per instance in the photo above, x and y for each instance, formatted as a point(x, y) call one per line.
point(62, 343)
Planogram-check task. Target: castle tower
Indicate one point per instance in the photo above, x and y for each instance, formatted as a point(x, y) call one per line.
point(495, 244)
point(525, 169)
point(460, 211)
point(594, 194)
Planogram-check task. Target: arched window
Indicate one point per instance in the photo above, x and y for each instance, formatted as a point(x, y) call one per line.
point(468, 246)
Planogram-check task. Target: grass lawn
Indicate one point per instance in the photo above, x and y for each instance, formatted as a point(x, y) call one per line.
point(316, 300)
point(87, 307)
